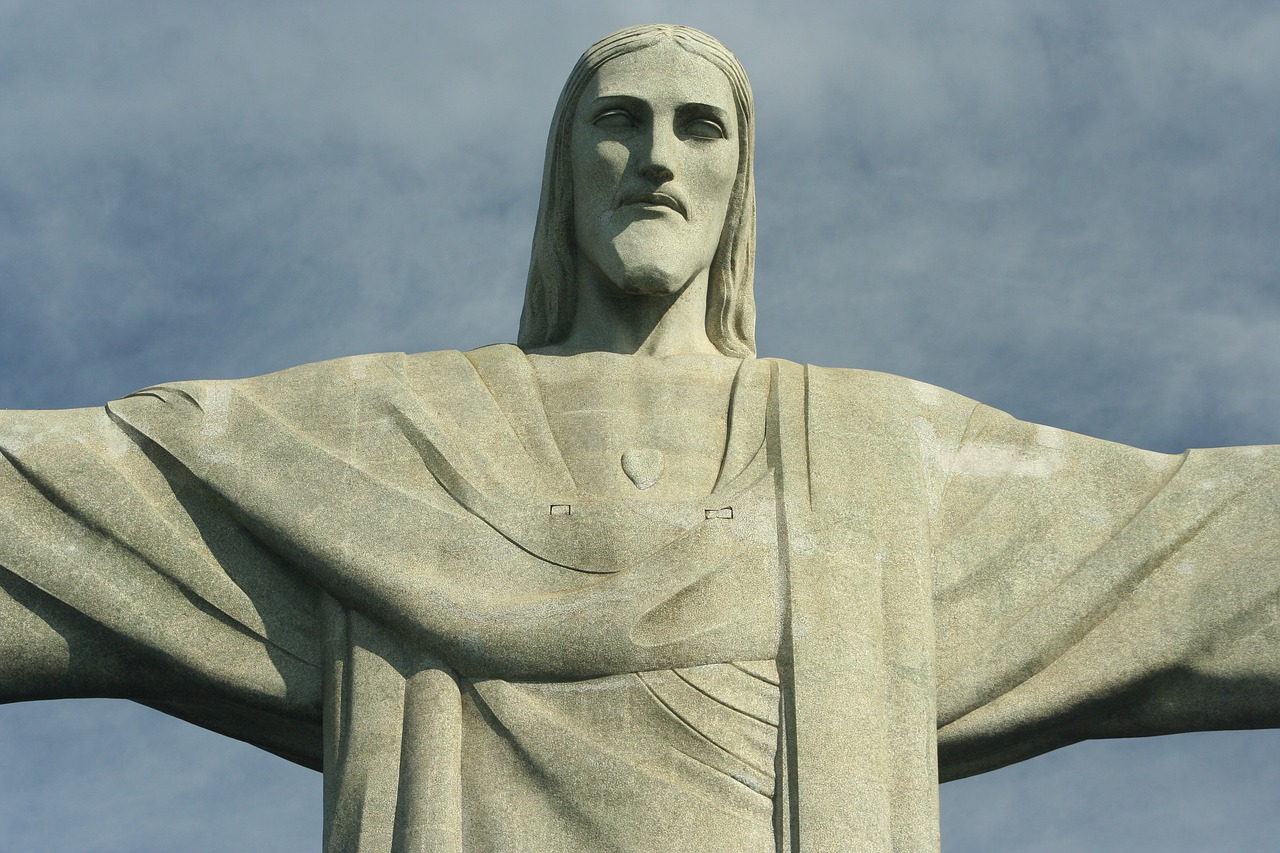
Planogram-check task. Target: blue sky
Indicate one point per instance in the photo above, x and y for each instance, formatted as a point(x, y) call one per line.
point(1068, 210)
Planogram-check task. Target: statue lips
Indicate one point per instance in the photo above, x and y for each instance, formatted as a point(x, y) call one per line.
point(655, 199)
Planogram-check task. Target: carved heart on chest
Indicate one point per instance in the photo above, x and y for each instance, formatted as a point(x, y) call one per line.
point(642, 467)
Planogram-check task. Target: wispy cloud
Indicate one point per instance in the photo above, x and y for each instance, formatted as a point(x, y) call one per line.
point(1065, 210)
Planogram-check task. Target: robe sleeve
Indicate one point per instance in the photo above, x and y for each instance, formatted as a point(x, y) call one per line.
point(123, 576)
point(1085, 589)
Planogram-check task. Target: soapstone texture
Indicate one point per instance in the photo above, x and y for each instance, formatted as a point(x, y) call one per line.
point(626, 587)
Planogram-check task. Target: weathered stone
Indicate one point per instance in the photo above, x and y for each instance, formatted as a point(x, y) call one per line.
point(627, 587)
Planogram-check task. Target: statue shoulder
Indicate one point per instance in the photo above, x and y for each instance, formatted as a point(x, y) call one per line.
point(321, 398)
point(887, 396)
point(304, 385)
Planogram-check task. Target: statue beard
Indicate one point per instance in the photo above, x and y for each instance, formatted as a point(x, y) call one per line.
point(636, 268)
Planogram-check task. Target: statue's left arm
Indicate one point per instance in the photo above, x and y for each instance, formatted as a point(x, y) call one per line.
point(1085, 589)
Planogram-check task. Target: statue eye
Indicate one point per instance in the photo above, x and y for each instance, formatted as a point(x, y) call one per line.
point(705, 128)
point(614, 120)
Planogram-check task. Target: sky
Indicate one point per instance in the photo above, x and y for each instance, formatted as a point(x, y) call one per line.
point(1067, 210)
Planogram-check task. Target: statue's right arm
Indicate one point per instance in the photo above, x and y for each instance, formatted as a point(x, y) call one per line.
point(121, 576)
point(49, 647)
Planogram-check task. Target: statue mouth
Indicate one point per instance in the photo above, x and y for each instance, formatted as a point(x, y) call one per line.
point(655, 200)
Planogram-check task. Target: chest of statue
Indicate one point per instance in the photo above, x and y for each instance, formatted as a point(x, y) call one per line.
point(595, 587)
point(458, 522)
point(647, 429)
point(558, 576)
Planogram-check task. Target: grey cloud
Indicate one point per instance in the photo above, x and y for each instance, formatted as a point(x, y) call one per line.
point(1065, 210)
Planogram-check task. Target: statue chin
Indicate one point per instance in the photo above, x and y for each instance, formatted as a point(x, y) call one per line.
point(636, 269)
point(650, 280)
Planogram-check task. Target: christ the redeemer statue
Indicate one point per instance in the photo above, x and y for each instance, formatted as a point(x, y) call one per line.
point(623, 586)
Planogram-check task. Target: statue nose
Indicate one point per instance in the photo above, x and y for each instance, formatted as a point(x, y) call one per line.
point(658, 154)
point(657, 172)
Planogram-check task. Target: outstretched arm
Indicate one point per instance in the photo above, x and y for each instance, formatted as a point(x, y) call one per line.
point(120, 576)
point(1086, 589)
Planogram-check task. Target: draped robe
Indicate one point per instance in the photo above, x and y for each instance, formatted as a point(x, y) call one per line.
point(380, 567)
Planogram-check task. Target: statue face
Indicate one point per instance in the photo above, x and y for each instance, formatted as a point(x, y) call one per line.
point(654, 151)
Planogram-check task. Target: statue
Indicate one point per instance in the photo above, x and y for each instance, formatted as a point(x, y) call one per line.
point(626, 586)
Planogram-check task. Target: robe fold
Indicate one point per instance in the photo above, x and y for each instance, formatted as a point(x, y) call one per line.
point(381, 567)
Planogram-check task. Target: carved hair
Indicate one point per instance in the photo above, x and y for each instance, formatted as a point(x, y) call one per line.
point(550, 297)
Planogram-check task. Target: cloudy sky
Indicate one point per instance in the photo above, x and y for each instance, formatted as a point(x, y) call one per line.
point(1068, 210)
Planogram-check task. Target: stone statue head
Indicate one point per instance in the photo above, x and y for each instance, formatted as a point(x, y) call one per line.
point(550, 295)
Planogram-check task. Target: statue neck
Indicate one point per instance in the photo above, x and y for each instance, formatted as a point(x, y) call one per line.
point(609, 320)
